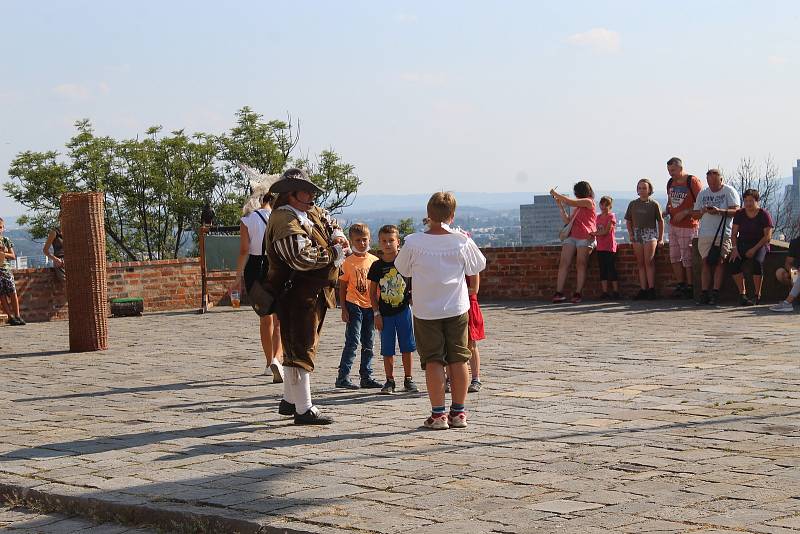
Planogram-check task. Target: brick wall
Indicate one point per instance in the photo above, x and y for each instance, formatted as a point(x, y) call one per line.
point(531, 273)
point(511, 273)
point(164, 285)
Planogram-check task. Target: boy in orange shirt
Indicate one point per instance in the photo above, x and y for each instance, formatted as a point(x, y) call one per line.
point(357, 310)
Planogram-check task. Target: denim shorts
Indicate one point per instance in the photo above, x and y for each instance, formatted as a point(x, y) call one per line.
point(580, 242)
point(398, 327)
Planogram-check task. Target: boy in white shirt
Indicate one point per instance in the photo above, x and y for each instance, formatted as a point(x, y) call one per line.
point(437, 261)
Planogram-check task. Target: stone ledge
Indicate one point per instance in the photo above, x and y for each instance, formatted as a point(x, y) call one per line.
point(121, 508)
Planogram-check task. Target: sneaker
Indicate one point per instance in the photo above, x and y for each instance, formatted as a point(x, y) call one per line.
point(576, 298)
point(641, 295)
point(388, 387)
point(277, 371)
point(605, 296)
point(21, 321)
point(457, 419)
point(409, 386)
point(474, 386)
point(447, 386)
point(688, 292)
point(704, 299)
point(712, 299)
point(744, 301)
point(438, 422)
point(13, 321)
point(615, 295)
point(559, 297)
point(312, 417)
point(346, 384)
point(651, 294)
point(370, 383)
point(286, 407)
point(679, 292)
point(757, 300)
point(783, 306)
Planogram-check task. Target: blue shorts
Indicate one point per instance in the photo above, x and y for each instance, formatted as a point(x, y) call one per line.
point(398, 327)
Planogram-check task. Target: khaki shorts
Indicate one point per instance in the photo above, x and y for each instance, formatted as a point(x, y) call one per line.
point(443, 340)
point(704, 245)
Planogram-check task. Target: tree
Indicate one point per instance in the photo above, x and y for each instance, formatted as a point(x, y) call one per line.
point(155, 187)
point(765, 179)
point(405, 227)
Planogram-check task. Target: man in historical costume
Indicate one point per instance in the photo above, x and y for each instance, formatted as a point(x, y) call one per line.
point(305, 247)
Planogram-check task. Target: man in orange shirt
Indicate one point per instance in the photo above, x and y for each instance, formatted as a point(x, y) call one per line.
point(357, 310)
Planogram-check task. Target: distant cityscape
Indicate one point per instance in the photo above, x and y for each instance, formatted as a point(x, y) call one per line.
point(493, 219)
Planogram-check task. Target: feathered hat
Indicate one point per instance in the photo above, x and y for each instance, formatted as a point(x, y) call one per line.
point(259, 186)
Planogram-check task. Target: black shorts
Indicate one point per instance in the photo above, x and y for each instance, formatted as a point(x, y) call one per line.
point(608, 265)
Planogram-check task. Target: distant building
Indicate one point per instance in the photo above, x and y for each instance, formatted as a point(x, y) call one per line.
point(540, 222)
point(792, 193)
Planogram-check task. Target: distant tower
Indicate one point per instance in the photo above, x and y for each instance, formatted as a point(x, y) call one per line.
point(540, 222)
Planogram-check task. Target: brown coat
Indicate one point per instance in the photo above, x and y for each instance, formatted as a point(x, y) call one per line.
point(301, 306)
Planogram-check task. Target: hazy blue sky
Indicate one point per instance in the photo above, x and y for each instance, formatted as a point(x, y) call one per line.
point(468, 96)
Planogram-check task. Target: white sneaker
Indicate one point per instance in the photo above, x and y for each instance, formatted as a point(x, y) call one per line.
point(277, 371)
point(783, 306)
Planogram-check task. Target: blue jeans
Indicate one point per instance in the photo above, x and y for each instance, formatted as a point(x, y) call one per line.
point(361, 327)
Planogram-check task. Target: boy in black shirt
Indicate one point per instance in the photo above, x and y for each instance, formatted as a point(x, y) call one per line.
point(390, 294)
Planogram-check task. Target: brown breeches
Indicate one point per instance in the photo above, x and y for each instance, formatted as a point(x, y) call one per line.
point(301, 322)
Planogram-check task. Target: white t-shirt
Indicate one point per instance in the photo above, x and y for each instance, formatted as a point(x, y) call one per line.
point(437, 266)
point(722, 199)
point(255, 229)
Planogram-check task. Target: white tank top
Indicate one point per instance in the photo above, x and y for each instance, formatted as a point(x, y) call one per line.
point(255, 229)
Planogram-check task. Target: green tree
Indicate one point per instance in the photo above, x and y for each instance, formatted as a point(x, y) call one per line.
point(405, 227)
point(155, 187)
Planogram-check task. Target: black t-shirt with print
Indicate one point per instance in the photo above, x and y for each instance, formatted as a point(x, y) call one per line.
point(395, 288)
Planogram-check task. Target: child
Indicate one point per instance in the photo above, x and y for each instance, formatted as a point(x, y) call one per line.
point(607, 248)
point(437, 261)
point(646, 231)
point(476, 332)
point(8, 290)
point(357, 310)
point(580, 241)
point(390, 294)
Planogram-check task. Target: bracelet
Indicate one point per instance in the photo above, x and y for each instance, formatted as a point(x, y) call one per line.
point(376, 312)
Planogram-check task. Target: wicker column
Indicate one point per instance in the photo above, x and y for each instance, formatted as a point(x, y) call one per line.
point(85, 262)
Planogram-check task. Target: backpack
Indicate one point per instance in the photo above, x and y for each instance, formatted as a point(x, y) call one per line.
point(688, 185)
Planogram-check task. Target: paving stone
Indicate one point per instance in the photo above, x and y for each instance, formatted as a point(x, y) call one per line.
point(606, 432)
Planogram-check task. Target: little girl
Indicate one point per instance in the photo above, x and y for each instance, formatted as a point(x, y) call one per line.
point(607, 248)
point(646, 231)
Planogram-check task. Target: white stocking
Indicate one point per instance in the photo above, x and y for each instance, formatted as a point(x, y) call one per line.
point(291, 378)
point(302, 392)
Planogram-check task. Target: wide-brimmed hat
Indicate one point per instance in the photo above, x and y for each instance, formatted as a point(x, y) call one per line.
point(294, 179)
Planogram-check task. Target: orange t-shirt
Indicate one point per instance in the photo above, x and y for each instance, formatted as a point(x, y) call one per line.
point(354, 272)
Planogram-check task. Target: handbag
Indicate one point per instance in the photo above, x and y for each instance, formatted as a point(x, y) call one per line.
point(564, 233)
point(715, 252)
point(261, 299)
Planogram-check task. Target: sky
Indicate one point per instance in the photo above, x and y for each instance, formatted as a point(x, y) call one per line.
point(421, 96)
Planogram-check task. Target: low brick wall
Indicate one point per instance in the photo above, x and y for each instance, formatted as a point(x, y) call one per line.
point(164, 285)
point(525, 273)
point(531, 273)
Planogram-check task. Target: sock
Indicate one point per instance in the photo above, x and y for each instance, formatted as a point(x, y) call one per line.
point(456, 408)
point(476, 378)
point(437, 411)
point(289, 378)
point(302, 399)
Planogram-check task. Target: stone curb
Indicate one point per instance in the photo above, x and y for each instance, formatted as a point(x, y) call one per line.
point(180, 520)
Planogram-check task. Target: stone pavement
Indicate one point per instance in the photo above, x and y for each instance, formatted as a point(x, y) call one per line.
point(22, 521)
point(655, 417)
